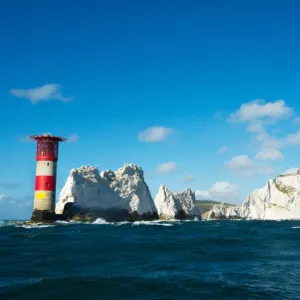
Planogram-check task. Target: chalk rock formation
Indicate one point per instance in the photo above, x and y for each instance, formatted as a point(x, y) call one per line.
point(112, 195)
point(222, 212)
point(279, 199)
point(176, 205)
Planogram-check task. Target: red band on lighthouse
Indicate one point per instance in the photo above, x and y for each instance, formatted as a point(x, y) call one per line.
point(45, 183)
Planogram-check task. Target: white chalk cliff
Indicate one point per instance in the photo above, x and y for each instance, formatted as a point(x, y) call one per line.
point(172, 205)
point(123, 189)
point(279, 199)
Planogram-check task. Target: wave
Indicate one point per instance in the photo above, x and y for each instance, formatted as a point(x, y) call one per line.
point(99, 221)
point(38, 225)
point(138, 223)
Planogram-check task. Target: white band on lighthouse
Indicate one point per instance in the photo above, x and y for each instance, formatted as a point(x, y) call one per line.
point(46, 168)
point(44, 196)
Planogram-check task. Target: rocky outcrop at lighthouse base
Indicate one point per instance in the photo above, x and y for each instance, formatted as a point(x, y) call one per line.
point(180, 205)
point(279, 199)
point(114, 196)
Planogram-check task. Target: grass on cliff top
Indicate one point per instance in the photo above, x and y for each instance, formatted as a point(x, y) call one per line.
point(206, 205)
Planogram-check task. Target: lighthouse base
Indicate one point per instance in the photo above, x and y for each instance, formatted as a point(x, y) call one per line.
point(44, 216)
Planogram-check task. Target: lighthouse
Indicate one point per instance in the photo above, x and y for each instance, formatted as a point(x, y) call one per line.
point(45, 179)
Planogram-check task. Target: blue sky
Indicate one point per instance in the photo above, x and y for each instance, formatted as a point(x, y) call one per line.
point(200, 94)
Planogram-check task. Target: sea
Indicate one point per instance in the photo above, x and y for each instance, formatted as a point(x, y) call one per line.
point(150, 260)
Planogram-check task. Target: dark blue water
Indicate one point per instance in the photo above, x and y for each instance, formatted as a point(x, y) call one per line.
point(151, 260)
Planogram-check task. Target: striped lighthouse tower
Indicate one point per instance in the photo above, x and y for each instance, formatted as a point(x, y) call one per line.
point(45, 180)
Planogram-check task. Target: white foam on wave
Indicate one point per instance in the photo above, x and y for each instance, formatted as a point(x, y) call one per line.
point(164, 221)
point(122, 223)
point(100, 221)
point(62, 222)
point(76, 222)
point(137, 223)
point(193, 220)
point(11, 223)
point(179, 221)
point(38, 225)
point(296, 227)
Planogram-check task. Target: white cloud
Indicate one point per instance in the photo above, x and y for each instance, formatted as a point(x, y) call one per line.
point(74, 138)
point(245, 165)
point(259, 114)
point(2, 197)
point(155, 134)
point(167, 167)
point(271, 142)
point(42, 93)
point(203, 195)
point(240, 162)
point(224, 188)
point(262, 137)
point(221, 191)
point(260, 109)
point(269, 154)
point(189, 178)
point(222, 149)
point(255, 127)
point(294, 138)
